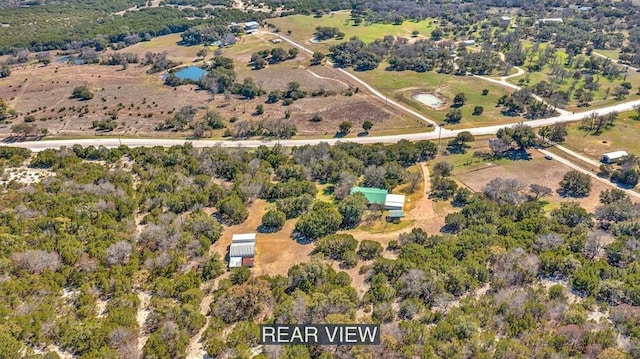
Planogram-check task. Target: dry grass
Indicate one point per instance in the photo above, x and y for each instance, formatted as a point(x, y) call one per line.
point(536, 170)
point(44, 92)
point(275, 252)
point(168, 43)
point(622, 136)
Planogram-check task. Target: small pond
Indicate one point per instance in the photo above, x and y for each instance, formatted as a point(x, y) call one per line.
point(193, 73)
point(64, 59)
point(428, 99)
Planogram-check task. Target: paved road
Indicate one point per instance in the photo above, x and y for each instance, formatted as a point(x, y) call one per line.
point(138, 142)
point(438, 133)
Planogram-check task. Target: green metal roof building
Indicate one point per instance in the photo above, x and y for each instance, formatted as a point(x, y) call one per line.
point(373, 195)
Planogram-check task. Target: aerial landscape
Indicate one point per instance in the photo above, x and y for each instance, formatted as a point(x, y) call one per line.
point(179, 176)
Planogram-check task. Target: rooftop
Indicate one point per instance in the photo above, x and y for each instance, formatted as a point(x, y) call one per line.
point(373, 195)
point(243, 238)
point(616, 154)
point(394, 200)
point(242, 250)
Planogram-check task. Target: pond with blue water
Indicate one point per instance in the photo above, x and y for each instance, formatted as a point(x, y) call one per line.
point(193, 73)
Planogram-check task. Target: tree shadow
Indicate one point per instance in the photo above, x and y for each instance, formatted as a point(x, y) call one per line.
point(518, 155)
point(264, 229)
point(339, 135)
point(567, 194)
point(299, 238)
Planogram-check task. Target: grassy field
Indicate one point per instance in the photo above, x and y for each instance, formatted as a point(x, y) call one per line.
point(402, 85)
point(612, 54)
point(303, 27)
point(142, 101)
point(622, 136)
point(168, 43)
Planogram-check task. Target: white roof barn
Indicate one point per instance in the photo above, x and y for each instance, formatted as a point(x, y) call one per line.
point(243, 238)
point(614, 156)
point(242, 250)
point(394, 201)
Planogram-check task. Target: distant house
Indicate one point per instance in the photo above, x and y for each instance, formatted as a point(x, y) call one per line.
point(251, 26)
point(556, 20)
point(505, 21)
point(235, 27)
point(394, 201)
point(614, 157)
point(375, 196)
point(242, 250)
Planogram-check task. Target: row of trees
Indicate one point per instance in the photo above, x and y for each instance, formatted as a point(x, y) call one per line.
point(276, 55)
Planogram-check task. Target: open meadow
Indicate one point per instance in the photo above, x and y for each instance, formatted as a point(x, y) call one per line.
point(403, 85)
point(303, 27)
point(623, 135)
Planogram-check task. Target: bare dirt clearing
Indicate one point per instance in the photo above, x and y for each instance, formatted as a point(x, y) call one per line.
point(275, 252)
point(536, 170)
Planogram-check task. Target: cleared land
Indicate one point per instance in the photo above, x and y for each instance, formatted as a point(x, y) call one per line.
point(475, 173)
point(275, 252)
point(142, 101)
point(402, 85)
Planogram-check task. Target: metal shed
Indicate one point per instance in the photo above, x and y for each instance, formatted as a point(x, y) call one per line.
point(394, 201)
point(613, 157)
point(243, 238)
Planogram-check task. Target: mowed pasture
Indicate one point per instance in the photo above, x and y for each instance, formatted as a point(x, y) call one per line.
point(303, 27)
point(404, 84)
point(623, 135)
point(170, 44)
point(141, 100)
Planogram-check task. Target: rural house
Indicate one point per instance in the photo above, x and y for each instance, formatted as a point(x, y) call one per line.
point(242, 250)
point(381, 198)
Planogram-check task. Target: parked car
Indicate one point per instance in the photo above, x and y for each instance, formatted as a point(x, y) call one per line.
point(548, 157)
